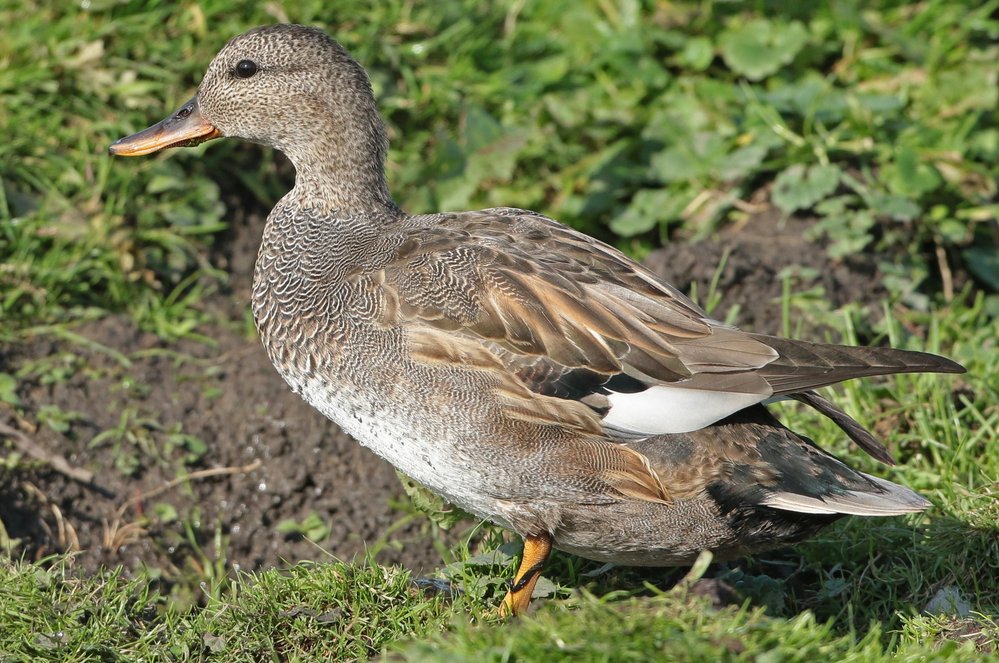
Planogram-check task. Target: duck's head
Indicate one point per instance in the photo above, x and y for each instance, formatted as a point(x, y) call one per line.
point(288, 86)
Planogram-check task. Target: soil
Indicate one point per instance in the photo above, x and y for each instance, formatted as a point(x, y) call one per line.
point(758, 252)
point(281, 460)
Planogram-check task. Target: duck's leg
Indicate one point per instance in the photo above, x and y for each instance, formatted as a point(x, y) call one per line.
point(536, 552)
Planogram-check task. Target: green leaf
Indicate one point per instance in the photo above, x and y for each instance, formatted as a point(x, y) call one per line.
point(697, 53)
point(740, 163)
point(983, 261)
point(849, 231)
point(165, 512)
point(480, 128)
point(894, 207)
point(908, 176)
point(161, 183)
point(879, 104)
point(312, 527)
point(679, 113)
point(812, 95)
point(550, 70)
point(761, 47)
point(543, 588)
point(953, 231)
point(649, 208)
point(490, 153)
point(690, 158)
point(798, 187)
point(985, 144)
point(505, 555)
point(433, 505)
point(8, 389)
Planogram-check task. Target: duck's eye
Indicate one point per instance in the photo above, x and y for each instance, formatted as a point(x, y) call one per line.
point(246, 68)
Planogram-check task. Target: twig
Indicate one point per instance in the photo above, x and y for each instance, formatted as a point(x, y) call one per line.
point(510, 22)
point(747, 206)
point(66, 537)
point(200, 474)
point(53, 460)
point(946, 277)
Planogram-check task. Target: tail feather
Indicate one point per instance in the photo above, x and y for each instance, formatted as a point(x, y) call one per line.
point(802, 365)
point(885, 499)
point(860, 435)
point(754, 460)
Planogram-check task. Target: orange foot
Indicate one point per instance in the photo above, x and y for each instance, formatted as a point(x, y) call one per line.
point(536, 552)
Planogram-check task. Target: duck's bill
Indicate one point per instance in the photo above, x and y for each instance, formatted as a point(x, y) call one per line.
point(184, 128)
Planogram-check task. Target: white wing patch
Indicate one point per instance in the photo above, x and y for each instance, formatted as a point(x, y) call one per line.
point(664, 409)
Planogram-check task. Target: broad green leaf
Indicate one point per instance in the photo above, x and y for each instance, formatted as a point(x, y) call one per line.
point(551, 69)
point(761, 47)
point(697, 53)
point(497, 159)
point(166, 182)
point(677, 164)
point(953, 231)
point(908, 176)
point(740, 163)
point(983, 261)
point(812, 95)
point(165, 512)
point(800, 187)
point(433, 505)
point(480, 129)
point(488, 151)
point(896, 208)
point(455, 193)
point(691, 157)
point(880, 104)
point(649, 208)
point(848, 232)
point(8, 389)
point(963, 89)
point(986, 144)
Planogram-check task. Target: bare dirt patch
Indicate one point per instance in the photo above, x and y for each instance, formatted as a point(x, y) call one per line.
point(758, 252)
point(157, 409)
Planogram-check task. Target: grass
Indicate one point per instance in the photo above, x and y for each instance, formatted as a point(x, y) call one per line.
point(316, 612)
point(338, 611)
point(638, 122)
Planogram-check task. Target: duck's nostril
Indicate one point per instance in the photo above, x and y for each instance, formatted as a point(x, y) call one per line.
point(185, 127)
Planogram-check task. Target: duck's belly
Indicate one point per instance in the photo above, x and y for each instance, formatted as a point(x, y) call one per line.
point(429, 446)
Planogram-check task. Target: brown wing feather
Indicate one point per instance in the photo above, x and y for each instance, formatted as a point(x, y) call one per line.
point(540, 289)
point(630, 473)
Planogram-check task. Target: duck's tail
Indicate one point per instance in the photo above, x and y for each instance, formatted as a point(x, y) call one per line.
point(768, 465)
point(885, 499)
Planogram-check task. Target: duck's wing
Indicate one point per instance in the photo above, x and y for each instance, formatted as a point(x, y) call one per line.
point(604, 339)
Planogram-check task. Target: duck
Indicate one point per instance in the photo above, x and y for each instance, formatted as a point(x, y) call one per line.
point(527, 373)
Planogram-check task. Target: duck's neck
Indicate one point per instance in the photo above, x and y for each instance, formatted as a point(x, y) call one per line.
point(342, 169)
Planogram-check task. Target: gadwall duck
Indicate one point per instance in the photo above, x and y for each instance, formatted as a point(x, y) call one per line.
point(529, 374)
